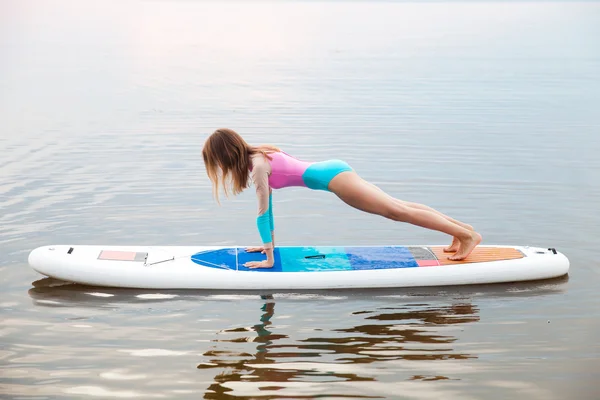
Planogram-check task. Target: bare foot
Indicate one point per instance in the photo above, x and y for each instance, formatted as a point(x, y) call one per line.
point(454, 246)
point(455, 241)
point(466, 247)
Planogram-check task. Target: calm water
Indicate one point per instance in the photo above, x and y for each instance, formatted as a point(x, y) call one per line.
point(487, 111)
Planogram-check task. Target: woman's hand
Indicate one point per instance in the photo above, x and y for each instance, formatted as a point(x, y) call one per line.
point(268, 263)
point(255, 249)
point(259, 264)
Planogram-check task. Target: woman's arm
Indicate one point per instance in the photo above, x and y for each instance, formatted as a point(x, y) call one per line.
point(264, 220)
point(271, 222)
point(271, 227)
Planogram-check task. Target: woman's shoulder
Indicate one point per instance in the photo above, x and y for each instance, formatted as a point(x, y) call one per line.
point(259, 163)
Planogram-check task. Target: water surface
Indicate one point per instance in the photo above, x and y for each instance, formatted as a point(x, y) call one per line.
point(487, 111)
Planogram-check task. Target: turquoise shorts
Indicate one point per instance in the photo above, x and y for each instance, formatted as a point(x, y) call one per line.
point(318, 175)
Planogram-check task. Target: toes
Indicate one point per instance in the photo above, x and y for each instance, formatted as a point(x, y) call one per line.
point(457, 257)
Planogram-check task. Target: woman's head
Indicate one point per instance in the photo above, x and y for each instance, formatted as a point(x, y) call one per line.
point(227, 158)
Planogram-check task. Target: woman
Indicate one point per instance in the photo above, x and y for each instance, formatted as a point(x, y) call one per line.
point(229, 160)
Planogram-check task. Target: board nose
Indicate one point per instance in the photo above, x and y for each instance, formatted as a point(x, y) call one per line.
point(38, 255)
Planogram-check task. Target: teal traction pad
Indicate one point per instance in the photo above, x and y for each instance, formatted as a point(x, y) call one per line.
point(320, 259)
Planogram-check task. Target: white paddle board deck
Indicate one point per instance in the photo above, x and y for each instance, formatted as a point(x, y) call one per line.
point(180, 267)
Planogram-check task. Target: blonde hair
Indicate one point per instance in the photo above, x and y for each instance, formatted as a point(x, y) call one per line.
point(227, 160)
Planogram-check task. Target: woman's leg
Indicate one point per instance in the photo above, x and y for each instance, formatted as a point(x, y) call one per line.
point(360, 194)
point(455, 242)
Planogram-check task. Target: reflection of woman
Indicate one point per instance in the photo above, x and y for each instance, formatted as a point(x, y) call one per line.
point(262, 331)
point(265, 338)
point(228, 157)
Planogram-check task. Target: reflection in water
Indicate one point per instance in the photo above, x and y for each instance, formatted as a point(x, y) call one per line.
point(54, 292)
point(414, 324)
point(341, 343)
point(414, 332)
point(242, 368)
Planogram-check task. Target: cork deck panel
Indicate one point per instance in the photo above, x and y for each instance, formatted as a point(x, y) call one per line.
point(479, 254)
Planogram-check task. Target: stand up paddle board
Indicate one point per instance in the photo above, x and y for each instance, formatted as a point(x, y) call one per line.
point(180, 267)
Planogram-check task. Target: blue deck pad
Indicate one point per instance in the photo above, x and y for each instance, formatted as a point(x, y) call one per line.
point(300, 259)
point(313, 259)
point(363, 258)
point(222, 258)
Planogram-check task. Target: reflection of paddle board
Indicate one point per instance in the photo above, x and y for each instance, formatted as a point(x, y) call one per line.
point(180, 267)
